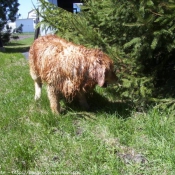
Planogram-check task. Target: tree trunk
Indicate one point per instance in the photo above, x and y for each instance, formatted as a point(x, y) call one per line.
point(1, 46)
point(37, 30)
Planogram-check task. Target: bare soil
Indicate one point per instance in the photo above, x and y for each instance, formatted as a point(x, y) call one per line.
point(20, 37)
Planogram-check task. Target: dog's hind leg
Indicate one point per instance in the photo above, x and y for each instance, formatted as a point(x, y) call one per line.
point(38, 88)
point(53, 96)
point(37, 82)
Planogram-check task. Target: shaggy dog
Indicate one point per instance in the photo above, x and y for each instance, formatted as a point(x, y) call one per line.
point(67, 68)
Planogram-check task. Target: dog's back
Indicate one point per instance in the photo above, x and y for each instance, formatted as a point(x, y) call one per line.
point(42, 50)
point(51, 53)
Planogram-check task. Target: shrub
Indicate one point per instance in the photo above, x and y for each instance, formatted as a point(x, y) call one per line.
point(138, 35)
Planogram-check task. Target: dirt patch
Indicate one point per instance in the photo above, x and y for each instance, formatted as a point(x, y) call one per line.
point(20, 37)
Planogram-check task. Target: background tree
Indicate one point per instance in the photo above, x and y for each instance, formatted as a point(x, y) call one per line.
point(138, 35)
point(18, 29)
point(8, 12)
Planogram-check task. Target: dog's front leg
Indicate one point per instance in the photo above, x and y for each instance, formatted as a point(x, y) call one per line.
point(53, 96)
point(83, 101)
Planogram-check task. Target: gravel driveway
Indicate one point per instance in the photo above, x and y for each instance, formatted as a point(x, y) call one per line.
point(22, 36)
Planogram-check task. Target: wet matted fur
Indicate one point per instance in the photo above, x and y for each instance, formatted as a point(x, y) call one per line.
point(67, 68)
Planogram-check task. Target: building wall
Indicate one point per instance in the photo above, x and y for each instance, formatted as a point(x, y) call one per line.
point(28, 24)
point(32, 14)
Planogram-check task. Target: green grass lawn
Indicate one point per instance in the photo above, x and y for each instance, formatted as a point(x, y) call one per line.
point(111, 139)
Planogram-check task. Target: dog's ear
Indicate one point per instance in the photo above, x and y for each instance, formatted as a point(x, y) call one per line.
point(100, 73)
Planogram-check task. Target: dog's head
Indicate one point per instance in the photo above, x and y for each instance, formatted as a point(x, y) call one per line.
point(104, 73)
point(110, 78)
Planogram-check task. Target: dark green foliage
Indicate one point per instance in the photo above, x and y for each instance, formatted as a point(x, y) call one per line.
point(8, 12)
point(18, 29)
point(138, 35)
point(5, 36)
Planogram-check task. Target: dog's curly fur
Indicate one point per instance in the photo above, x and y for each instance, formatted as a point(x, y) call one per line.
point(68, 69)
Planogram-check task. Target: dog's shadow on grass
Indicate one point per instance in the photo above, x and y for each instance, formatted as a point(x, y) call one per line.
point(100, 104)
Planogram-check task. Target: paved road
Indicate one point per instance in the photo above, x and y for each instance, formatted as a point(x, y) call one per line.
point(26, 54)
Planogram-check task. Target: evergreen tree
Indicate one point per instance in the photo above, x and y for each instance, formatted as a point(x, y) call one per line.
point(137, 34)
point(8, 12)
